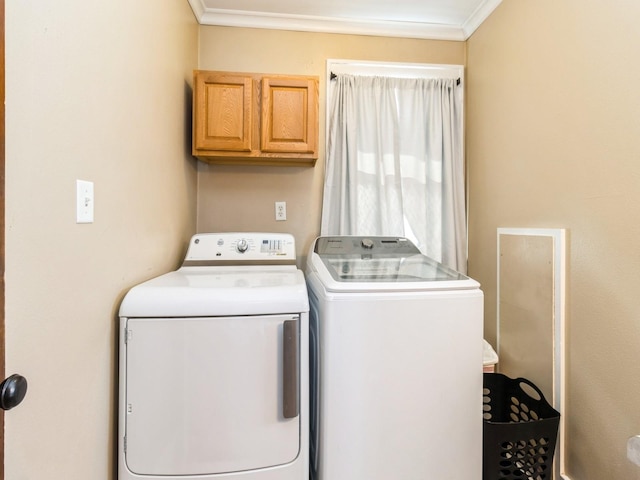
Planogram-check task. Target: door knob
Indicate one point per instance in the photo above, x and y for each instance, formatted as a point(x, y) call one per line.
point(12, 391)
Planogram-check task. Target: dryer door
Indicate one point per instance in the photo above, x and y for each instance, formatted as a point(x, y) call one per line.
point(205, 395)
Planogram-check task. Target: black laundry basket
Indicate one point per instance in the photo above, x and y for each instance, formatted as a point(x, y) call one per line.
point(519, 430)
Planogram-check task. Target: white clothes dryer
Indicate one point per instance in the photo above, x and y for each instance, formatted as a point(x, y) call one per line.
point(396, 356)
point(213, 365)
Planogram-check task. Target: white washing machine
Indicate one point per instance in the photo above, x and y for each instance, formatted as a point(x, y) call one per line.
point(396, 356)
point(214, 365)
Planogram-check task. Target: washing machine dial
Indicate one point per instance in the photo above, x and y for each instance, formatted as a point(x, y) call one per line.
point(367, 243)
point(242, 245)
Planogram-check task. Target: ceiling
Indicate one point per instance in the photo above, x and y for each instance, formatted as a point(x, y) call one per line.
point(428, 19)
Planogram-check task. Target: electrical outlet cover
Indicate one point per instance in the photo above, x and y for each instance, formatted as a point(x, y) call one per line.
point(281, 211)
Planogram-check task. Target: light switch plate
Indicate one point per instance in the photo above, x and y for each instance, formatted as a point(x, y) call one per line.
point(633, 450)
point(84, 201)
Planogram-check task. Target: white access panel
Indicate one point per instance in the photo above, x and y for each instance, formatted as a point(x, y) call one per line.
point(205, 395)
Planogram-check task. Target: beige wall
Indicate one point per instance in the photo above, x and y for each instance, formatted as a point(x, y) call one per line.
point(242, 198)
point(552, 141)
point(95, 91)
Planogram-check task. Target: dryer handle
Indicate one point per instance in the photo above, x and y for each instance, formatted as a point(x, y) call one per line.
point(290, 398)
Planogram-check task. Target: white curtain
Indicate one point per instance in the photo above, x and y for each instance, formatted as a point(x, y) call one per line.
point(395, 163)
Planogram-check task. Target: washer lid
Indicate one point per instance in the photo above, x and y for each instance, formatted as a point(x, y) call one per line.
point(217, 291)
point(350, 263)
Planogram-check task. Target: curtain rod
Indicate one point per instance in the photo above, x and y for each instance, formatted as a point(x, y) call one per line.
point(333, 76)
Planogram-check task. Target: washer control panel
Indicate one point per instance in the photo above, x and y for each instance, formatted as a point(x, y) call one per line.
point(375, 245)
point(240, 248)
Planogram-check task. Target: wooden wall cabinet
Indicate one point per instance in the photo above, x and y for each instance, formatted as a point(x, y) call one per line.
point(256, 119)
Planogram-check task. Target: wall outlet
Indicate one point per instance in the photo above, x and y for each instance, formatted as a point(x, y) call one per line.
point(281, 211)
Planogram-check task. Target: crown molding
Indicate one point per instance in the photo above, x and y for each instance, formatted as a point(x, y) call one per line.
point(476, 19)
point(306, 23)
point(198, 9)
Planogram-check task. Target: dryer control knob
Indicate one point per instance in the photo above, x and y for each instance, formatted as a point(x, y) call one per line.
point(367, 243)
point(242, 245)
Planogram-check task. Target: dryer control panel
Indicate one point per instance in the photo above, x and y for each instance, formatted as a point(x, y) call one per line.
point(241, 248)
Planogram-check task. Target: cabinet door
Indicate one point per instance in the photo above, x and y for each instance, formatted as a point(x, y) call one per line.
point(289, 115)
point(224, 114)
